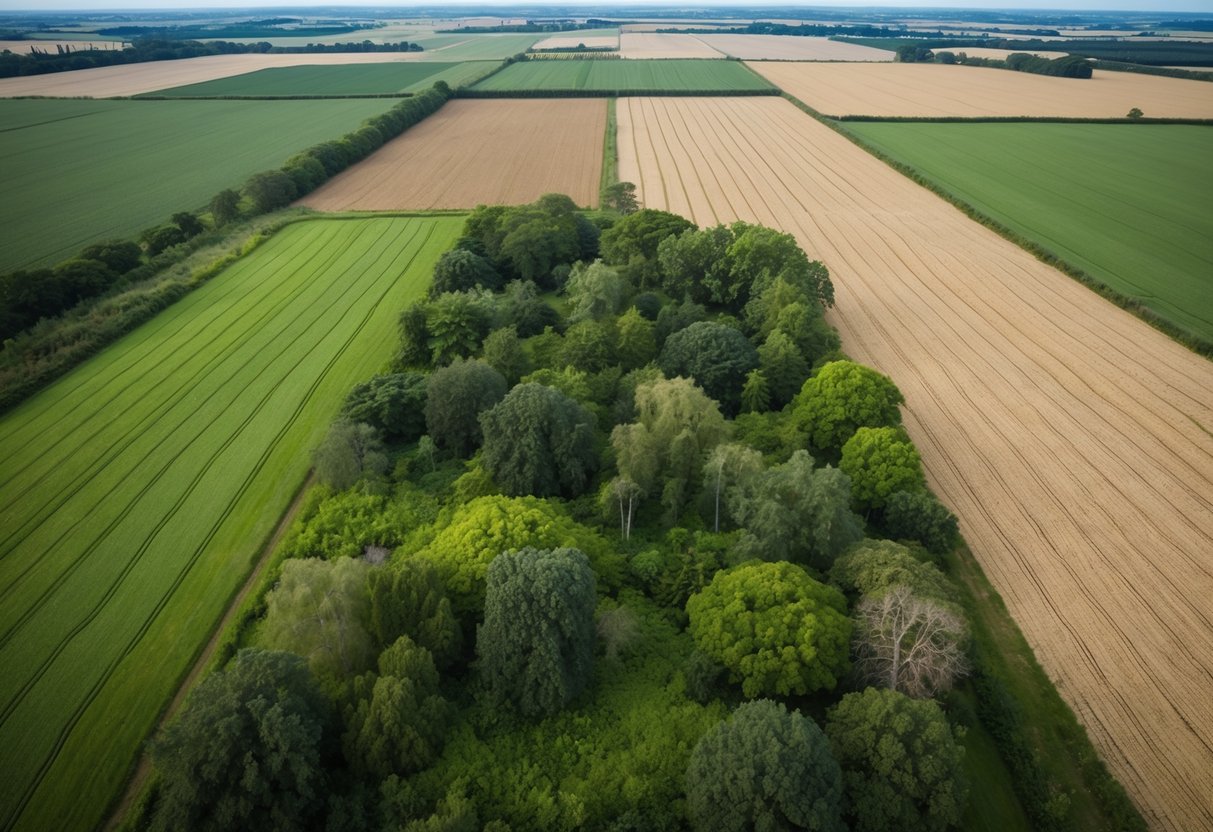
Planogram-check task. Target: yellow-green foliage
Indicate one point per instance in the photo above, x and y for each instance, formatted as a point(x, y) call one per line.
point(488, 526)
point(774, 628)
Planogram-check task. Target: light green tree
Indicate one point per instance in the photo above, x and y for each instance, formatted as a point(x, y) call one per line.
point(880, 462)
point(841, 398)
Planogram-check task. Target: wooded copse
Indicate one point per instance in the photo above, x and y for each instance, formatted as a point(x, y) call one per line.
point(563, 538)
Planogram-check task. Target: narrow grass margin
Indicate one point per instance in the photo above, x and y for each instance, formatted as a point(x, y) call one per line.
point(610, 150)
point(1197, 344)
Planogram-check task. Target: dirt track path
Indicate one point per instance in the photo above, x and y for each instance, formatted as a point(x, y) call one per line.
point(1074, 442)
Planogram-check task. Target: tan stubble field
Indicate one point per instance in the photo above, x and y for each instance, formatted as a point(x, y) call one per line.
point(1074, 442)
point(895, 89)
point(474, 152)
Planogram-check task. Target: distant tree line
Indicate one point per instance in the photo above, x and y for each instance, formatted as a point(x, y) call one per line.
point(534, 27)
point(159, 49)
point(1067, 66)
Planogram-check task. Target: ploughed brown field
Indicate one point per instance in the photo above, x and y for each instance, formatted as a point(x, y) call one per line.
point(895, 89)
point(135, 79)
point(1074, 441)
point(474, 152)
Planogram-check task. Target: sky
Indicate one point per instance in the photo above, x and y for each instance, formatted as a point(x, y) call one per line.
point(1158, 6)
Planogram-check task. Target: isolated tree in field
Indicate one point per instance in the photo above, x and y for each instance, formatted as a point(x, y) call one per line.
point(783, 366)
point(662, 451)
point(503, 352)
point(225, 207)
point(538, 441)
point(459, 270)
point(321, 610)
point(269, 191)
point(909, 643)
point(633, 242)
point(536, 645)
point(595, 291)
point(408, 599)
point(393, 404)
point(246, 750)
point(620, 197)
point(637, 344)
point(841, 398)
point(718, 357)
point(880, 462)
point(728, 466)
point(764, 768)
point(902, 767)
point(398, 722)
point(917, 515)
point(350, 452)
point(487, 526)
point(1135, 113)
point(695, 264)
point(795, 512)
point(775, 629)
point(455, 397)
point(872, 567)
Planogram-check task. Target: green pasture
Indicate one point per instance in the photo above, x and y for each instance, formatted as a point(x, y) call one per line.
point(684, 75)
point(336, 80)
point(457, 47)
point(80, 171)
point(1128, 204)
point(139, 489)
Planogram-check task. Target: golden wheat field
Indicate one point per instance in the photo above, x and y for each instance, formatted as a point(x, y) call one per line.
point(476, 152)
point(651, 45)
point(792, 48)
point(572, 42)
point(895, 89)
point(135, 79)
point(1074, 442)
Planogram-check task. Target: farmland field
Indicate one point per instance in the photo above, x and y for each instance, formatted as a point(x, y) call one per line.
point(1114, 200)
point(476, 47)
point(643, 45)
point(474, 152)
point(792, 48)
point(589, 37)
point(1074, 441)
point(139, 489)
point(352, 79)
point(624, 75)
point(92, 170)
point(894, 89)
point(134, 79)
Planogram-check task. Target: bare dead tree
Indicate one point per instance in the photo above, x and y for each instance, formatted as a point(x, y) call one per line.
point(909, 643)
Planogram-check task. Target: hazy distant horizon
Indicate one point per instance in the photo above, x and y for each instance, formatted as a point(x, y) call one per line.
point(1205, 6)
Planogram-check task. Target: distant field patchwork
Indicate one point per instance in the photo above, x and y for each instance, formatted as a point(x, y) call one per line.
point(351, 79)
point(1114, 200)
point(138, 490)
point(605, 76)
point(92, 170)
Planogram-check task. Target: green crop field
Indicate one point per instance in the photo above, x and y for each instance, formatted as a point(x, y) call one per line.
point(139, 489)
point(336, 80)
point(683, 75)
point(456, 47)
point(1128, 204)
point(80, 171)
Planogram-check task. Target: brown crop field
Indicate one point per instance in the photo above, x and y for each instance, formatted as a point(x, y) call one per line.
point(792, 48)
point(1074, 442)
point(474, 152)
point(136, 79)
point(651, 45)
point(894, 89)
point(572, 42)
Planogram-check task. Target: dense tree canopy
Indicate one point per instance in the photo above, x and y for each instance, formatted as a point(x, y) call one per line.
point(407, 598)
point(718, 357)
point(841, 398)
point(536, 645)
point(538, 441)
point(880, 462)
point(695, 264)
point(783, 366)
point(633, 242)
point(917, 515)
point(394, 404)
point(774, 628)
point(595, 291)
point(504, 353)
point(637, 344)
point(350, 451)
point(870, 567)
point(455, 398)
point(459, 270)
point(795, 512)
point(764, 769)
point(245, 752)
point(902, 768)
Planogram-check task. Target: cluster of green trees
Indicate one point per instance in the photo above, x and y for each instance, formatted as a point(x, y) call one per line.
point(1067, 66)
point(579, 559)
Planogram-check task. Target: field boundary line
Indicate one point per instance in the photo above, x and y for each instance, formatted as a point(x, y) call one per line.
point(141, 771)
point(1193, 342)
